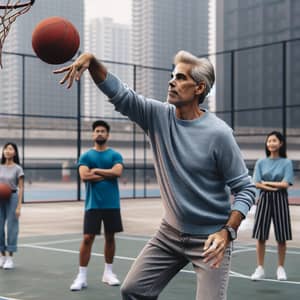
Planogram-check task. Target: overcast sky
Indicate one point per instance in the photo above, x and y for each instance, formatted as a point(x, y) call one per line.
point(119, 10)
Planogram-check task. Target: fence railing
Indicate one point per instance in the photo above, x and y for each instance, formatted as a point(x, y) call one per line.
point(257, 90)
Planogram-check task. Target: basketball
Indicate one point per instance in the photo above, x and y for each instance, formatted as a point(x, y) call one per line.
point(55, 40)
point(5, 192)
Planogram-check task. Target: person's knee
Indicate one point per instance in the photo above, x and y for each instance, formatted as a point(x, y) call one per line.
point(88, 239)
point(126, 289)
point(110, 238)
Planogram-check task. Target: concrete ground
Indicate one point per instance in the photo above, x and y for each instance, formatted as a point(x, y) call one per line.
point(50, 235)
point(140, 217)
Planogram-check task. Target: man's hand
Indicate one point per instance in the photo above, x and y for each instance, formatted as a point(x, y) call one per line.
point(114, 172)
point(76, 69)
point(85, 61)
point(214, 248)
point(87, 174)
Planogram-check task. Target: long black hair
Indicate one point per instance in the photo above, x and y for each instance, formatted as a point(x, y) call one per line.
point(16, 157)
point(281, 138)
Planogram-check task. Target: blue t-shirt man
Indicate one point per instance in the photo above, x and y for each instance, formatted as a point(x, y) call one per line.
point(100, 168)
point(102, 194)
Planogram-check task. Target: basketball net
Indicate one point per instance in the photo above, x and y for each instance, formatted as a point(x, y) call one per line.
point(8, 14)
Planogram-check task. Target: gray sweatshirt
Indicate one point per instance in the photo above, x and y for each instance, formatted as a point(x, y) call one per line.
point(197, 162)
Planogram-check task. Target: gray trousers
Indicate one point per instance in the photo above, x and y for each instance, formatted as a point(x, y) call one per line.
point(164, 256)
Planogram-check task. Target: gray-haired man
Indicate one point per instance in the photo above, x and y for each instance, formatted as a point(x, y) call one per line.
point(197, 159)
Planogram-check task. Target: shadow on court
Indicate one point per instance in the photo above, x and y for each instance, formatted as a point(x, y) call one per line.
point(46, 266)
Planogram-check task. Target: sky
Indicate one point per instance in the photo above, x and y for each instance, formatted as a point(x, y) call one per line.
point(119, 10)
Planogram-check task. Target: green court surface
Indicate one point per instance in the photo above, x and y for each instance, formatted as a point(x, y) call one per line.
point(45, 266)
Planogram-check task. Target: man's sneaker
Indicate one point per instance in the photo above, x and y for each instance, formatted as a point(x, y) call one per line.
point(2, 260)
point(258, 274)
point(78, 284)
point(110, 279)
point(9, 263)
point(281, 275)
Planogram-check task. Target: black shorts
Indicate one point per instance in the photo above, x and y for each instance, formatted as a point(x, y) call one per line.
point(111, 219)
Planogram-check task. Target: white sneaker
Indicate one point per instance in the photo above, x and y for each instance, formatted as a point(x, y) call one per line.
point(79, 283)
point(110, 279)
point(281, 275)
point(258, 274)
point(2, 260)
point(9, 263)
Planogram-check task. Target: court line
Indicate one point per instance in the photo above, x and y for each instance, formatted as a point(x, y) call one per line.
point(54, 242)
point(145, 239)
point(133, 238)
point(71, 251)
point(267, 250)
point(232, 273)
point(240, 275)
point(80, 239)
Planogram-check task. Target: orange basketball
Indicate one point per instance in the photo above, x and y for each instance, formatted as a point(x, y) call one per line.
point(55, 40)
point(5, 192)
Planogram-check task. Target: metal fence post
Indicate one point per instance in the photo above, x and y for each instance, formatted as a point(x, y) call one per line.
point(23, 115)
point(78, 136)
point(232, 90)
point(134, 142)
point(284, 91)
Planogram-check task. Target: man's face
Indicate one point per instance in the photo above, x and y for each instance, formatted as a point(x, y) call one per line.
point(100, 135)
point(182, 87)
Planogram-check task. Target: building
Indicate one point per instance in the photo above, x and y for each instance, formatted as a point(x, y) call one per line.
point(34, 90)
point(264, 93)
point(159, 30)
point(259, 72)
point(109, 41)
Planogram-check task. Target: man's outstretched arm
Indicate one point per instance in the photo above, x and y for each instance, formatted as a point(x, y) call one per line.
point(85, 61)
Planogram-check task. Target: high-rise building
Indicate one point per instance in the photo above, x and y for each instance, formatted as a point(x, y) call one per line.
point(159, 30)
point(109, 41)
point(35, 84)
point(259, 72)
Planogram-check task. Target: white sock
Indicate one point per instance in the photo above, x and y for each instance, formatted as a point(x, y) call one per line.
point(108, 268)
point(83, 271)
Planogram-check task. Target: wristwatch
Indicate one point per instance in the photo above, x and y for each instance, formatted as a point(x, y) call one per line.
point(231, 232)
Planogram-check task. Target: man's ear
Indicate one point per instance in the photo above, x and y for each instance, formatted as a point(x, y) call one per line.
point(200, 88)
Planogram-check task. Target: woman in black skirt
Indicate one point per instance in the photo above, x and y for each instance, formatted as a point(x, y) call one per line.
point(272, 175)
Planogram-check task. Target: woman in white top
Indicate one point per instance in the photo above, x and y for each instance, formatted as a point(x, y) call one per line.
point(12, 174)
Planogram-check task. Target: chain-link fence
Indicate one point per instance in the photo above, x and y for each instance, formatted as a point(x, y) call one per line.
point(256, 91)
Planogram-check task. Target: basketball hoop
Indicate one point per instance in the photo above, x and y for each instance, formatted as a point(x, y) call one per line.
point(11, 10)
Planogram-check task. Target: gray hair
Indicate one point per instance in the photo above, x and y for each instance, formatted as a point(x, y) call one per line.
point(202, 70)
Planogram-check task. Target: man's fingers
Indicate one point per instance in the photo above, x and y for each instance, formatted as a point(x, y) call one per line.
point(80, 72)
point(66, 77)
point(71, 76)
point(207, 243)
point(61, 70)
point(217, 260)
point(214, 245)
point(75, 70)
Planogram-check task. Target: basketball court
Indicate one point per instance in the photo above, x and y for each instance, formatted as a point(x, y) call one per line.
point(47, 260)
point(50, 233)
